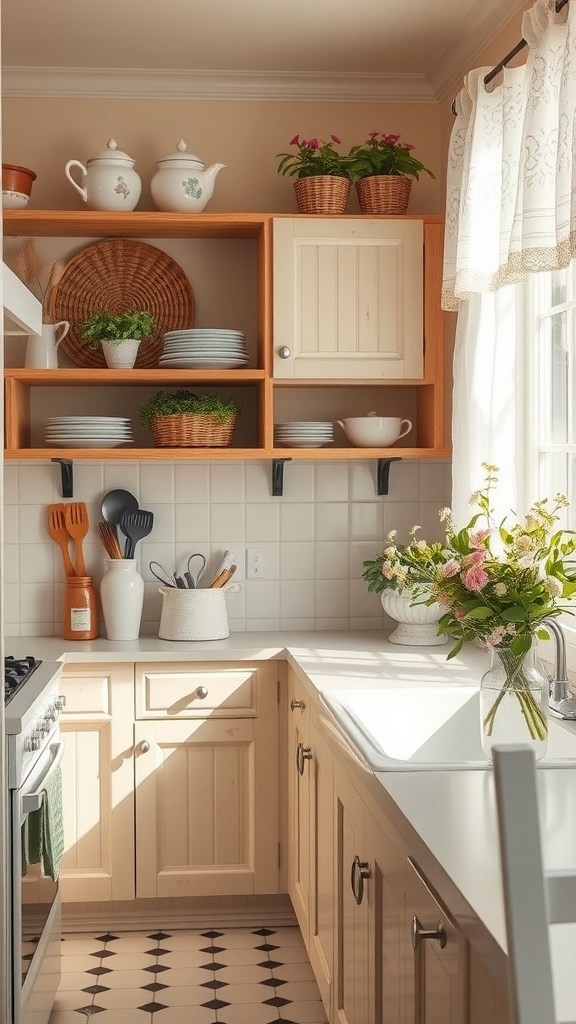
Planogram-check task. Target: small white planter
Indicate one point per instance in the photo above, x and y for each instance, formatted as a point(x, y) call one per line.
point(120, 355)
point(417, 624)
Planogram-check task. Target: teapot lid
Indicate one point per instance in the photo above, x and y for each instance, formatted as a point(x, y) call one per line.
point(183, 157)
point(112, 153)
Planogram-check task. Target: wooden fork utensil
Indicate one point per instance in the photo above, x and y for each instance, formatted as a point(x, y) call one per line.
point(59, 533)
point(76, 519)
point(110, 540)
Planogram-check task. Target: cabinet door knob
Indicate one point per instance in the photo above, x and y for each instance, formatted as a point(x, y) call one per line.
point(284, 352)
point(201, 692)
point(302, 754)
point(419, 933)
point(144, 746)
point(297, 704)
point(359, 871)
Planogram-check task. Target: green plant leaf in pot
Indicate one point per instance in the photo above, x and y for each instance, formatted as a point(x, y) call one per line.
point(164, 403)
point(103, 325)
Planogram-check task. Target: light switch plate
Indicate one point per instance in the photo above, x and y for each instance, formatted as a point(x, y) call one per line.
point(254, 564)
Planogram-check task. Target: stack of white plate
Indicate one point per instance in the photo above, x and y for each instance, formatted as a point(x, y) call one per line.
point(88, 431)
point(204, 349)
point(303, 434)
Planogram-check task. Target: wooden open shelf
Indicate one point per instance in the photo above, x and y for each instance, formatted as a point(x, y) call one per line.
point(426, 394)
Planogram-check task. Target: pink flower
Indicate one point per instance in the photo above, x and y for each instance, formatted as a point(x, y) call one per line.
point(335, 139)
point(477, 539)
point(372, 135)
point(475, 558)
point(314, 144)
point(459, 613)
point(474, 578)
point(390, 138)
point(387, 570)
point(294, 141)
point(407, 145)
point(449, 569)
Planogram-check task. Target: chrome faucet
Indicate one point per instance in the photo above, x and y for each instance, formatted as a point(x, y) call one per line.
point(562, 703)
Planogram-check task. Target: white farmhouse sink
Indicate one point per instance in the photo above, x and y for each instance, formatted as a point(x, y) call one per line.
point(422, 728)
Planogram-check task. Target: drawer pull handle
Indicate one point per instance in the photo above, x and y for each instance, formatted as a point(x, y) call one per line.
point(284, 352)
point(302, 754)
point(144, 746)
point(360, 870)
point(297, 704)
point(419, 933)
point(201, 693)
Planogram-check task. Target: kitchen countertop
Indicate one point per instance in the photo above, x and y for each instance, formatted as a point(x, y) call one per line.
point(447, 817)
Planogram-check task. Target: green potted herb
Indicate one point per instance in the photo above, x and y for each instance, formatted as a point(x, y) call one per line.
point(118, 334)
point(323, 180)
point(182, 419)
point(383, 168)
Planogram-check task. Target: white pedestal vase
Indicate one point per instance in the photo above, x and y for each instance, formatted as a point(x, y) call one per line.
point(417, 624)
point(122, 597)
point(120, 355)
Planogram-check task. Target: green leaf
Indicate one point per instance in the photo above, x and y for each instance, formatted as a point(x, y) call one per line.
point(514, 614)
point(521, 643)
point(481, 612)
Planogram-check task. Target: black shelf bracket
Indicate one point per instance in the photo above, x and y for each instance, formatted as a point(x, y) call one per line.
point(66, 466)
point(278, 476)
point(383, 474)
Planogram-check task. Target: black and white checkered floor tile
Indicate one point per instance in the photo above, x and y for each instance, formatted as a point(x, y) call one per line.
point(208, 976)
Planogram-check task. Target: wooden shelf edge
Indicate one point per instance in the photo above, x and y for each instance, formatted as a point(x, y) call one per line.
point(320, 454)
point(103, 376)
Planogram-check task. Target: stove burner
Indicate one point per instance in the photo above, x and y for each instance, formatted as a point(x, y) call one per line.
point(16, 672)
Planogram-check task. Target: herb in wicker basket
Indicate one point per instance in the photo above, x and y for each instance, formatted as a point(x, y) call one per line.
point(182, 419)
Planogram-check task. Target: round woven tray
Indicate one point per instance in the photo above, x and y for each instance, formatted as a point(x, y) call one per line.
point(120, 274)
point(192, 430)
point(322, 193)
point(383, 193)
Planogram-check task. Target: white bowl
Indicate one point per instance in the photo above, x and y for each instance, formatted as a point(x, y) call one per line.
point(14, 200)
point(375, 431)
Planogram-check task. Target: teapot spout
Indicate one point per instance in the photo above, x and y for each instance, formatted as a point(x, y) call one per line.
point(210, 177)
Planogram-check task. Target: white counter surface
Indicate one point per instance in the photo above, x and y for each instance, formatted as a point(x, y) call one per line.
point(449, 817)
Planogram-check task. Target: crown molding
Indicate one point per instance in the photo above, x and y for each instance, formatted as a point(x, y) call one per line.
point(290, 86)
point(482, 26)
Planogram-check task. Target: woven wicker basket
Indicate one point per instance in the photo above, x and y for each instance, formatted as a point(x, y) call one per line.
point(383, 193)
point(322, 193)
point(192, 430)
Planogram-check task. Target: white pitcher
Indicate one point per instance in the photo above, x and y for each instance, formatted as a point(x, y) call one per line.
point(42, 349)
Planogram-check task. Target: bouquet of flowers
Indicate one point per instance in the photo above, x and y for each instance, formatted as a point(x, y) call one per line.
point(404, 566)
point(313, 156)
point(384, 154)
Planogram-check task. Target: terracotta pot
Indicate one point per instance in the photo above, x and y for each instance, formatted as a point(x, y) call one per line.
point(384, 193)
point(16, 186)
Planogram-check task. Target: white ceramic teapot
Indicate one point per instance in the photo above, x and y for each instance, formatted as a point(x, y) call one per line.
point(111, 183)
point(182, 183)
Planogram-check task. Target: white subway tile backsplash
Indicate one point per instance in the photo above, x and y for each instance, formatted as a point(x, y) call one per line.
point(297, 560)
point(314, 538)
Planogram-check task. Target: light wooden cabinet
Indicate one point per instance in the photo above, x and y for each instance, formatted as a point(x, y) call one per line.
point(181, 800)
point(299, 803)
point(360, 307)
point(388, 941)
point(437, 989)
point(98, 783)
point(206, 772)
point(348, 298)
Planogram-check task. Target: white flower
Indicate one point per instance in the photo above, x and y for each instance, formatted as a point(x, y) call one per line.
point(421, 545)
point(526, 562)
point(445, 514)
point(523, 544)
point(500, 589)
point(553, 586)
point(390, 552)
point(391, 535)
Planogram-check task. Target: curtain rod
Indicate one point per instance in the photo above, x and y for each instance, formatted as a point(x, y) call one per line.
point(519, 46)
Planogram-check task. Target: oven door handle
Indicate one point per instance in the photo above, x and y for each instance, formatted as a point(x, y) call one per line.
point(33, 801)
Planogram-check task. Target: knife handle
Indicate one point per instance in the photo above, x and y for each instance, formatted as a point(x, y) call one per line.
point(223, 578)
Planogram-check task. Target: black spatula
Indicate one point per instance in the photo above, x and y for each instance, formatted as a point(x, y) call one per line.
point(136, 523)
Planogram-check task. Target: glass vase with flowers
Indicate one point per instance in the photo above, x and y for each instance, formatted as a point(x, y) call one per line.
point(497, 587)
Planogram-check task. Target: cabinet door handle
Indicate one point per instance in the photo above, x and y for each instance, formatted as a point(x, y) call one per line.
point(302, 754)
point(359, 871)
point(284, 352)
point(201, 692)
point(297, 704)
point(144, 746)
point(419, 933)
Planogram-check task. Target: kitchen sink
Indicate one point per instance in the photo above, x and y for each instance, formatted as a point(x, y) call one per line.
point(426, 728)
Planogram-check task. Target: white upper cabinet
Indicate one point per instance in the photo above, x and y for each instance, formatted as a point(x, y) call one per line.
point(348, 298)
point(22, 310)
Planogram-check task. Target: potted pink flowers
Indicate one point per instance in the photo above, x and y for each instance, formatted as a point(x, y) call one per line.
point(383, 168)
point(322, 179)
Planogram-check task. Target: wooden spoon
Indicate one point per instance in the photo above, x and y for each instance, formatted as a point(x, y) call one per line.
point(76, 519)
point(59, 533)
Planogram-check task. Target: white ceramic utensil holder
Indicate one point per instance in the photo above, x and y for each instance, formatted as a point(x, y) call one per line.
point(195, 614)
point(122, 597)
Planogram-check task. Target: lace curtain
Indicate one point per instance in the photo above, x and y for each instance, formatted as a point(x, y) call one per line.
point(509, 213)
point(511, 165)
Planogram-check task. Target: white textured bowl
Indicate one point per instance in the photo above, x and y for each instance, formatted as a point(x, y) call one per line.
point(375, 431)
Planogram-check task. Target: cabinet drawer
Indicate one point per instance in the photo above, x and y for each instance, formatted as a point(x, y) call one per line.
point(87, 689)
point(164, 691)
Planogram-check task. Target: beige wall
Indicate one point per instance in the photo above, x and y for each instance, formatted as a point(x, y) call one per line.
point(44, 134)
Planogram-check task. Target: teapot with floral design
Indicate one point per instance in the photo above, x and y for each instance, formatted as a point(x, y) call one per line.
point(182, 183)
point(109, 180)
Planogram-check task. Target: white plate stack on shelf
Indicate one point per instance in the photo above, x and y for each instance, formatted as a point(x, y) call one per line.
point(204, 349)
point(304, 434)
point(88, 431)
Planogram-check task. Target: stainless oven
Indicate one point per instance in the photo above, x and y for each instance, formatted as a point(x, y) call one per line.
point(34, 751)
